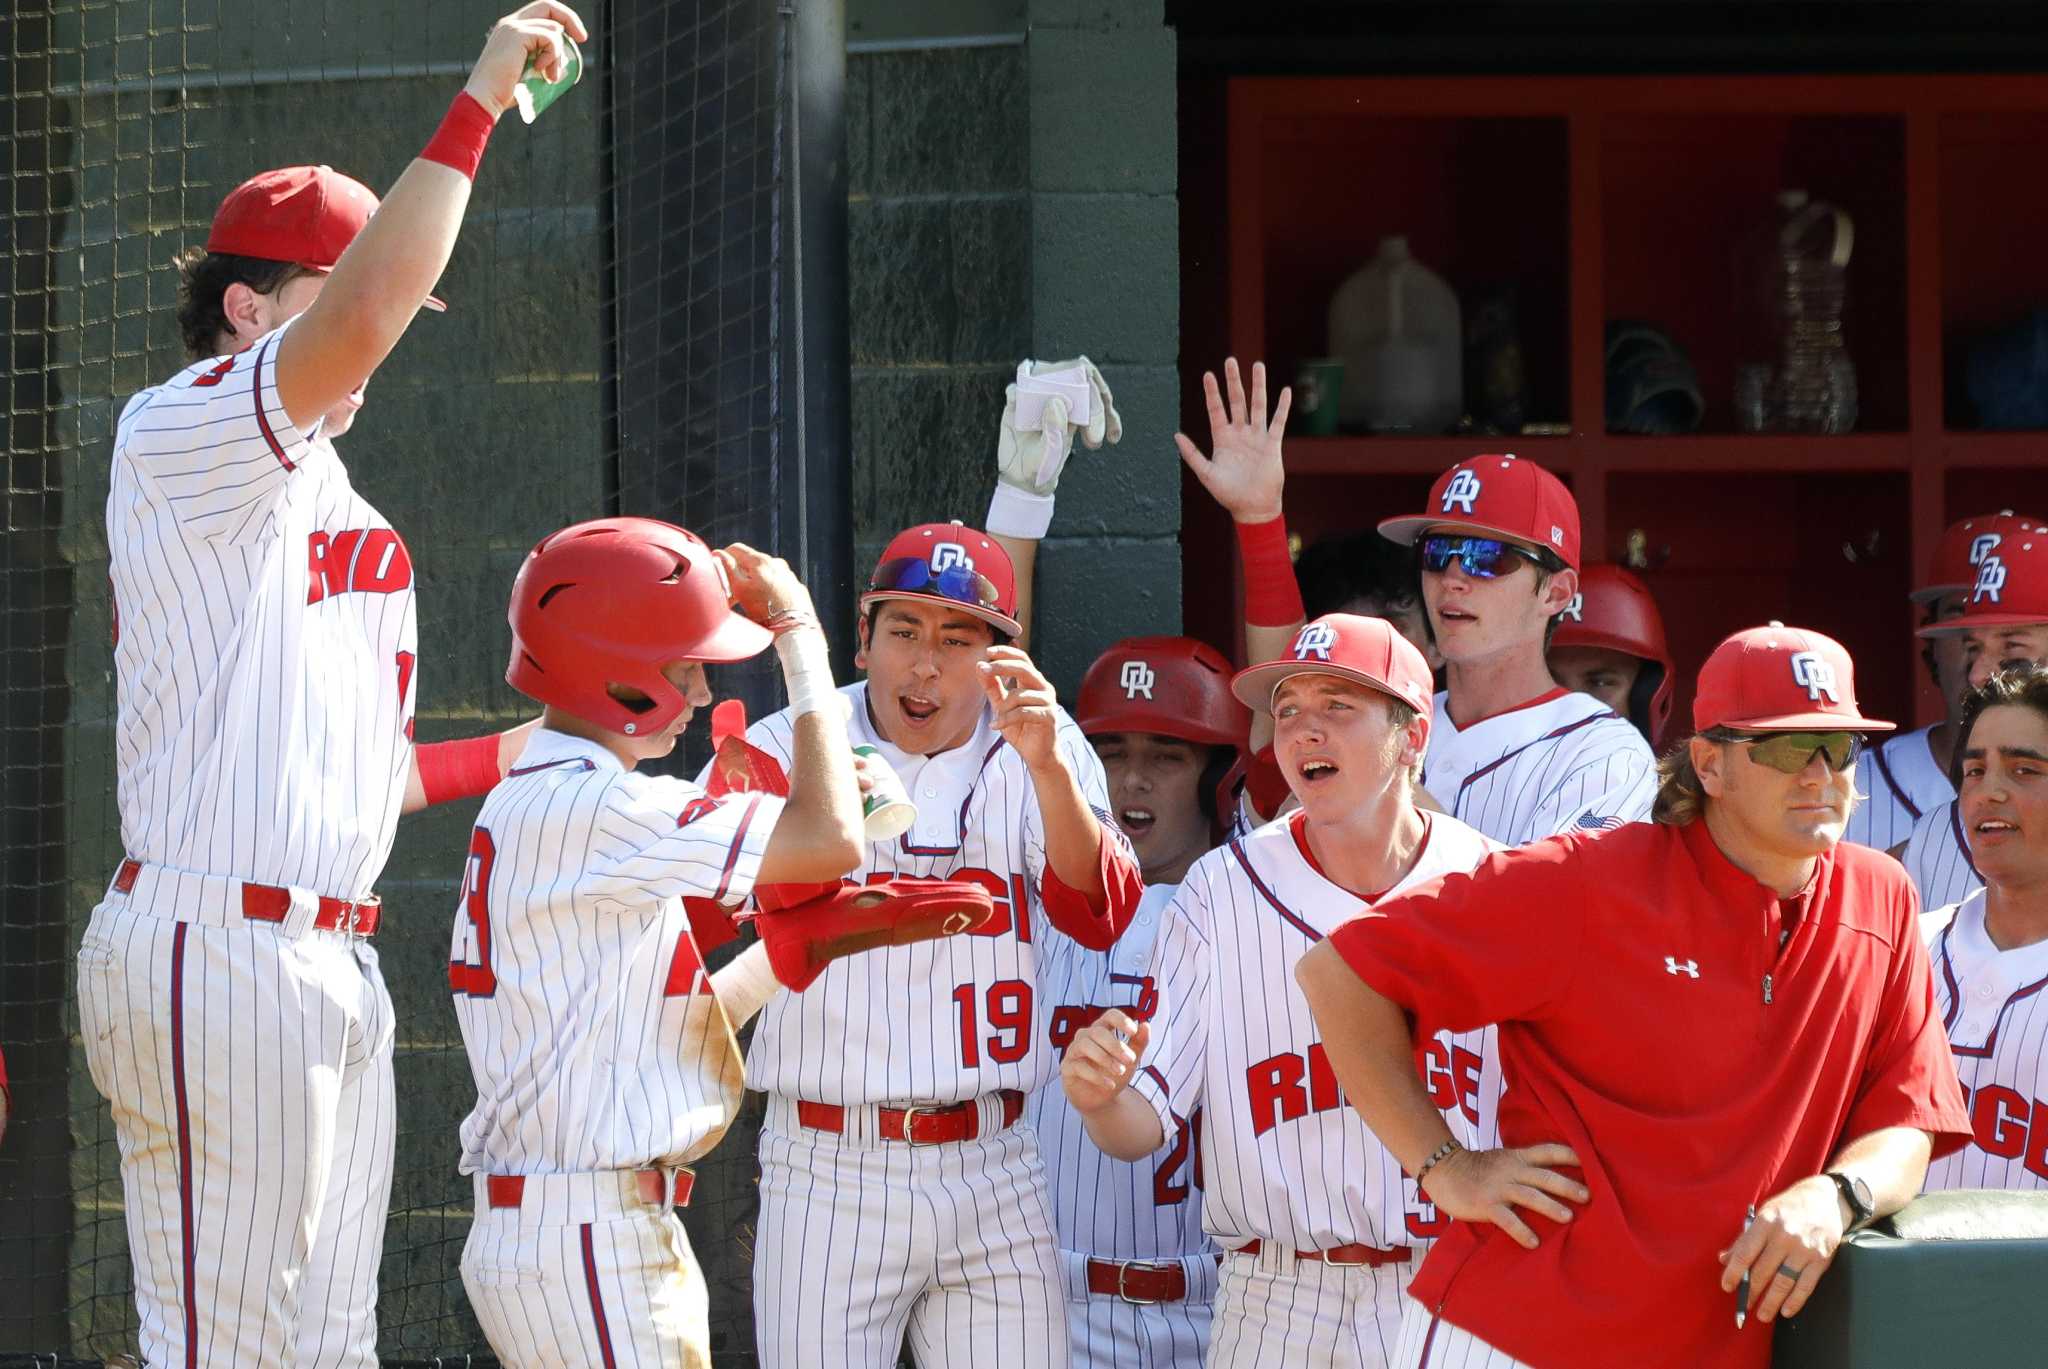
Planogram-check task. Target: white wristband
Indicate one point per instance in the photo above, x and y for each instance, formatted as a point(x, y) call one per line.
point(806, 670)
point(1019, 513)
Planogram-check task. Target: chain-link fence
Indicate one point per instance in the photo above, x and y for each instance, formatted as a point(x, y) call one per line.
point(626, 313)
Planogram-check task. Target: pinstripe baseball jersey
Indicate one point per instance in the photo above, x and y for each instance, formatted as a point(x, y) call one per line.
point(1559, 763)
point(593, 1035)
point(1897, 782)
point(1937, 856)
point(1284, 1157)
point(1147, 1210)
point(1991, 1003)
point(937, 1021)
point(264, 639)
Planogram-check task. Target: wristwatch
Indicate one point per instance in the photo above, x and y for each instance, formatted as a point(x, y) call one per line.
point(1856, 1193)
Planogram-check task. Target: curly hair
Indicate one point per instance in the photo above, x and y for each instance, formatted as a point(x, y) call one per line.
point(2019, 685)
point(1680, 796)
point(203, 281)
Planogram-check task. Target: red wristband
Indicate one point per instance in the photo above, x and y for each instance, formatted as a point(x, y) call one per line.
point(1271, 597)
point(458, 769)
point(459, 141)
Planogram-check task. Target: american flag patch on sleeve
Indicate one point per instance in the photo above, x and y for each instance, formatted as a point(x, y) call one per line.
point(1590, 822)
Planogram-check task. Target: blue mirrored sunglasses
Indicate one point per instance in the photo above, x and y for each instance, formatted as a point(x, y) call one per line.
point(1483, 558)
point(914, 575)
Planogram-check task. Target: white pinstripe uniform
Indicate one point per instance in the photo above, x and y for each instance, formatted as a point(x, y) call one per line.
point(598, 1050)
point(1991, 1003)
point(1109, 1210)
point(863, 1238)
point(1286, 1161)
point(264, 659)
point(1937, 856)
point(1559, 763)
point(1899, 783)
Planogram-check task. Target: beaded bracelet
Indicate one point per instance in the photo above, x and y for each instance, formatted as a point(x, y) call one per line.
point(1437, 1157)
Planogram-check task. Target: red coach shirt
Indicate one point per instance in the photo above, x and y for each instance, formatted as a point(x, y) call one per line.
point(1649, 1020)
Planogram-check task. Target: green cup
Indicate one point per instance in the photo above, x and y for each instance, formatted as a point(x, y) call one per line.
point(534, 94)
point(1318, 386)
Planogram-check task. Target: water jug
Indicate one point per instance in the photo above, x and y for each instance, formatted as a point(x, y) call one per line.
point(1394, 324)
point(1814, 388)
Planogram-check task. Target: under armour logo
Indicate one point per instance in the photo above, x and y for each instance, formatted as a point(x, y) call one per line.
point(1576, 609)
point(1463, 491)
point(1673, 965)
point(1556, 535)
point(1315, 640)
point(1983, 545)
point(947, 555)
point(1137, 679)
point(1990, 580)
point(1813, 671)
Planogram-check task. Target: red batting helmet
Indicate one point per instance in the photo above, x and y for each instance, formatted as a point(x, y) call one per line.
point(612, 601)
point(1614, 610)
point(1169, 686)
point(948, 563)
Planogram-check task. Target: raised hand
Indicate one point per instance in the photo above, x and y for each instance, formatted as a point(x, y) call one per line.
point(533, 31)
point(763, 587)
point(1026, 712)
point(1243, 471)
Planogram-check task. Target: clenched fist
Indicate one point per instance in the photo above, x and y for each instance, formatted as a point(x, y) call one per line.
point(1101, 1060)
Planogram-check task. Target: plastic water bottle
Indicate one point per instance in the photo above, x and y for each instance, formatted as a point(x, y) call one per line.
point(1395, 325)
point(1815, 383)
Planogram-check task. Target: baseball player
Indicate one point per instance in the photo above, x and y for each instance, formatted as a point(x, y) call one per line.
point(1990, 951)
point(1364, 574)
point(2004, 622)
point(1321, 1228)
point(1800, 1077)
point(230, 1002)
point(897, 1190)
point(1609, 643)
point(604, 1058)
point(1908, 774)
point(1512, 752)
point(1141, 1275)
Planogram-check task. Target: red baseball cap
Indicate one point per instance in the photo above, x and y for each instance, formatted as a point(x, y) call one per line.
point(2011, 584)
point(1953, 567)
point(1370, 651)
point(948, 563)
point(1780, 679)
point(1501, 495)
point(305, 215)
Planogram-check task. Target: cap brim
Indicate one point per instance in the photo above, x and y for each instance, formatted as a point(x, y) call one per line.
point(1001, 622)
point(735, 639)
point(1929, 593)
point(1809, 722)
point(1254, 685)
point(1949, 627)
point(1120, 720)
point(1409, 529)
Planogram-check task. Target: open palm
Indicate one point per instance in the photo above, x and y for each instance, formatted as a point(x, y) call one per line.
point(1243, 471)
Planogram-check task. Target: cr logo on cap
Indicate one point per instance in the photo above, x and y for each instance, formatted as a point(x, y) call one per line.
point(1983, 545)
point(1990, 580)
point(1463, 490)
point(1315, 640)
point(1137, 679)
point(1576, 609)
point(947, 555)
point(1813, 671)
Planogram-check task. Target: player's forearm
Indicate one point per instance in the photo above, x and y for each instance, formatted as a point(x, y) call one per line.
point(1893, 1161)
point(1273, 612)
point(1126, 1128)
point(1073, 836)
point(374, 292)
point(1023, 553)
point(818, 837)
point(1368, 1041)
point(438, 772)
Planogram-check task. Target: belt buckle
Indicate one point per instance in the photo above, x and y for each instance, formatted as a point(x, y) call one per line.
point(910, 1116)
point(1123, 1268)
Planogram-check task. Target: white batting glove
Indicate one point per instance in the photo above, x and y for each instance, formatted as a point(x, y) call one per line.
point(1048, 405)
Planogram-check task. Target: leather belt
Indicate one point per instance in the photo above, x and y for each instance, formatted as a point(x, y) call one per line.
point(269, 903)
point(1369, 1255)
point(1138, 1281)
point(509, 1190)
point(917, 1126)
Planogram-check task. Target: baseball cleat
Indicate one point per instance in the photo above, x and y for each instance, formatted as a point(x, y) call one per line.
point(808, 926)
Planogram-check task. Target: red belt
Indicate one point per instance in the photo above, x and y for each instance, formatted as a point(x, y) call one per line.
point(268, 903)
point(1369, 1255)
point(1136, 1281)
point(917, 1126)
point(509, 1190)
